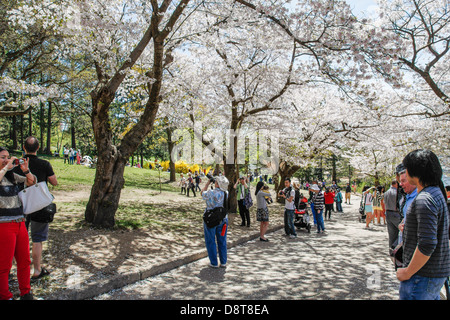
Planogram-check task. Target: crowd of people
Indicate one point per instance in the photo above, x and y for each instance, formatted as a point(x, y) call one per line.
point(191, 183)
point(74, 156)
point(414, 210)
point(15, 227)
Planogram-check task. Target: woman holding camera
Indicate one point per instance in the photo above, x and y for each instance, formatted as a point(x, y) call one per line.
point(14, 241)
point(263, 197)
point(215, 198)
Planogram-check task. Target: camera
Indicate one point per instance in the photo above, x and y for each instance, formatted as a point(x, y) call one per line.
point(268, 200)
point(211, 178)
point(17, 162)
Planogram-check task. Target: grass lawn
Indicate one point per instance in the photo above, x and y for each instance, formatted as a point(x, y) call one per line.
point(70, 177)
point(130, 214)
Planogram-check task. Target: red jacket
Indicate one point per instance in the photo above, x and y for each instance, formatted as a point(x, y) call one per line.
point(329, 197)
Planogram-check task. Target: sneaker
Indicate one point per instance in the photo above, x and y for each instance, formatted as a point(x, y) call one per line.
point(213, 266)
point(293, 236)
point(223, 265)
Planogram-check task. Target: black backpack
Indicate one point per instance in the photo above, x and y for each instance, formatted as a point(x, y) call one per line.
point(213, 217)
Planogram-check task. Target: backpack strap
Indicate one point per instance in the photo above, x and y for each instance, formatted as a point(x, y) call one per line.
point(225, 202)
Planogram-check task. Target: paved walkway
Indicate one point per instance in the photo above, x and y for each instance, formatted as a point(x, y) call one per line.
point(346, 263)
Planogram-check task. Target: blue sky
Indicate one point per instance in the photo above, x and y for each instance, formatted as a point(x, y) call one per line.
point(361, 6)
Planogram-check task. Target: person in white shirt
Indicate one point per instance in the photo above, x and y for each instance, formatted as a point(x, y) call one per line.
point(288, 193)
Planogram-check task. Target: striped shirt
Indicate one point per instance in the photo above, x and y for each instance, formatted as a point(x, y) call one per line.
point(426, 228)
point(319, 201)
point(10, 204)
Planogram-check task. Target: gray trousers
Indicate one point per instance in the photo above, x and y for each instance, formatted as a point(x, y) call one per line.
point(393, 219)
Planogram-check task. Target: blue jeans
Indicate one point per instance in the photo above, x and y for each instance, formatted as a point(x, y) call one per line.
point(211, 234)
point(319, 217)
point(339, 206)
point(313, 212)
point(421, 288)
point(290, 221)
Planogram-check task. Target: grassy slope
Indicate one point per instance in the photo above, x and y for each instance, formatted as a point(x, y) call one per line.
point(130, 214)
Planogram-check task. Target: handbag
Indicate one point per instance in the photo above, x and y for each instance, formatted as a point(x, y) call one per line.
point(35, 197)
point(248, 201)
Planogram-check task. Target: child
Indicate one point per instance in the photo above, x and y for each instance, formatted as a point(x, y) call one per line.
point(338, 200)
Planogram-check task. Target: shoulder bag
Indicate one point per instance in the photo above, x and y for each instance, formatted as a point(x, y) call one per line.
point(35, 198)
point(248, 201)
point(213, 217)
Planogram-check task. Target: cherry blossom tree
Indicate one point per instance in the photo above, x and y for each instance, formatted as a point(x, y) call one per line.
point(307, 68)
point(422, 31)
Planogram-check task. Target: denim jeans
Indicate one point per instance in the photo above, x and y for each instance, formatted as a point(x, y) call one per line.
point(421, 288)
point(213, 234)
point(319, 217)
point(290, 221)
point(313, 212)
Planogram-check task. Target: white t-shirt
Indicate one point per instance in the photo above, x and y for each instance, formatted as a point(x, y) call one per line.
point(368, 199)
point(290, 205)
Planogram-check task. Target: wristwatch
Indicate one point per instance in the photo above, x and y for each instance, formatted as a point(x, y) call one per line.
point(26, 172)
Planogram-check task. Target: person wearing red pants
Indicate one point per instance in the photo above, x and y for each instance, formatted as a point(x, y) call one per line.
point(14, 242)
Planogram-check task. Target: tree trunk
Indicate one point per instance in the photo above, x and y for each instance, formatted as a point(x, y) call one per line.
point(21, 132)
point(109, 180)
point(105, 194)
point(14, 133)
point(49, 128)
point(285, 171)
point(41, 123)
point(230, 174)
point(333, 170)
point(72, 130)
point(230, 165)
point(171, 145)
point(30, 124)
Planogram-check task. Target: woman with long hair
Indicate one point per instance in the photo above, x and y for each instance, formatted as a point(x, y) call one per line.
point(263, 196)
point(368, 205)
point(377, 205)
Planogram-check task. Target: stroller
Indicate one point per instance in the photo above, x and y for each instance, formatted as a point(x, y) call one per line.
point(301, 219)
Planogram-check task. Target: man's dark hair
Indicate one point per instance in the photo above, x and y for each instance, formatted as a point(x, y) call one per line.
point(31, 144)
point(287, 179)
point(424, 165)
